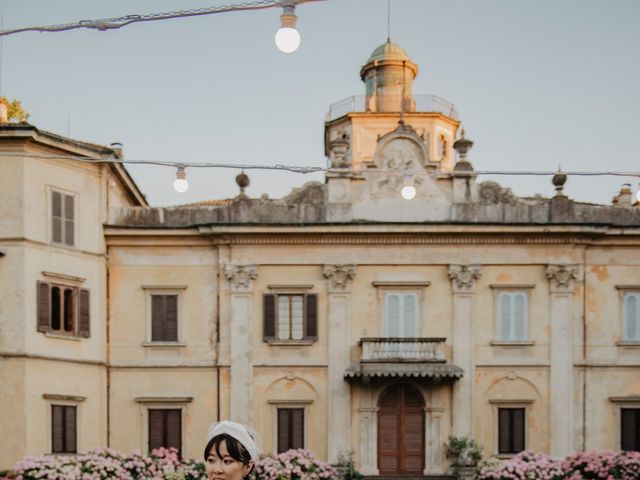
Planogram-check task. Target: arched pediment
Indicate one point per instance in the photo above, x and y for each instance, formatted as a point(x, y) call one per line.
point(402, 149)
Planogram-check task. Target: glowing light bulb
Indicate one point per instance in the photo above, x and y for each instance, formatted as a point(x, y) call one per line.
point(408, 191)
point(180, 184)
point(287, 39)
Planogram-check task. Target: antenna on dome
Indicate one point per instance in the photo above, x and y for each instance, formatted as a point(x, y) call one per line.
point(388, 21)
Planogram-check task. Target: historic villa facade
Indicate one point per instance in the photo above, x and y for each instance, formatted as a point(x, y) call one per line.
point(339, 318)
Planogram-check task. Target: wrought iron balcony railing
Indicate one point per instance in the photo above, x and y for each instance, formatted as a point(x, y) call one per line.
point(393, 349)
point(417, 103)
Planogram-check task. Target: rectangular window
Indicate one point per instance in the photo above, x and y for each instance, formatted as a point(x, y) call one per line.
point(630, 429)
point(290, 317)
point(164, 318)
point(63, 429)
point(165, 428)
point(401, 315)
point(511, 430)
point(62, 218)
point(290, 429)
point(631, 312)
point(512, 316)
point(63, 309)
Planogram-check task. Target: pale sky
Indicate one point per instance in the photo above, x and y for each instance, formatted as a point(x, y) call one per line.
point(537, 84)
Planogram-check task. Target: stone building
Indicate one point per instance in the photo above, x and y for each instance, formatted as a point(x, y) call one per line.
point(339, 318)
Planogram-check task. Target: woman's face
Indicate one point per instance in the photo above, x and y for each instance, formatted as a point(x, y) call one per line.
point(225, 467)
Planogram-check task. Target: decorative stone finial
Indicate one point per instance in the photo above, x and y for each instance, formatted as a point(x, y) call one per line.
point(462, 146)
point(558, 180)
point(339, 150)
point(243, 181)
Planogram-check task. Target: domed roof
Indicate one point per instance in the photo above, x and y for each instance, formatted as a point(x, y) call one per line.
point(389, 51)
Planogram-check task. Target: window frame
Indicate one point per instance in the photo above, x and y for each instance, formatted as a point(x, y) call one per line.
point(498, 291)
point(288, 404)
point(291, 290)
point(623, 291)
point(401, 287)
point(76, 208)
point(162, 403)
point(620, 403)
point(64, 283)
point(150, 291)
point(499, 404)
point(52, 400)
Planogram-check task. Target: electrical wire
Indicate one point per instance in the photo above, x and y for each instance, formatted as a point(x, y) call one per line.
point(315, 169)
point(104, 24)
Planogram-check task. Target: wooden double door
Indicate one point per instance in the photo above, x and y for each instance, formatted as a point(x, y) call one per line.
point(401, 431)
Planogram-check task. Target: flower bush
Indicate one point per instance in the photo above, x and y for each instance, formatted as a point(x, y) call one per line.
point(293, 464)
point(105, 463)
point(528, 465)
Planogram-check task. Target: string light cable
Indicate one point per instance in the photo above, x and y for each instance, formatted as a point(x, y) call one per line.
point(316, 169)
point(105, 24)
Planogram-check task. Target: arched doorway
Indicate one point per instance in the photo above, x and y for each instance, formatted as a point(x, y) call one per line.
point(401, 431)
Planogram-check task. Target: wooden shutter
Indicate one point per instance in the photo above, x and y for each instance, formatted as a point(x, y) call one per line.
point(413, 430)
point(157, 318)
point(269, 317)
point(70, 429)
point(283, 430)
point(44, 306)
point(69, 236)
point(630, 429)
point(56, 217)
point(174, 429)
point(171, 318)
point(297, 427)
point(504, 440)
point(57, 429)
point(156, 429)
point(518, 429)
point(311, 320)
point(84, 320)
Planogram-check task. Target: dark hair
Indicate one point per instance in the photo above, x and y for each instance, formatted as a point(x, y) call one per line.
point(236, 450)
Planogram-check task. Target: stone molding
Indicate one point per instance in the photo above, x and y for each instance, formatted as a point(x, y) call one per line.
point(241, 276)
point(463, 277)
point(561, 277)
point(339, 277)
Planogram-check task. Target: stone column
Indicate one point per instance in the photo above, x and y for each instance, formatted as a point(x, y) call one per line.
point(369, 440)
point(339, 416)
point(240, 279)
point(434, 441)
point(561, 283)
point(463, 283)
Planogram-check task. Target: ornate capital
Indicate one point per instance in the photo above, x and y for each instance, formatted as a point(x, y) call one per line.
point(339, 277)
point(241, 276)
point(561, 277)
point(463, 277)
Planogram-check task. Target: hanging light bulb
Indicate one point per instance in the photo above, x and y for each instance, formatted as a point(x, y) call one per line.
point(287, 37)
point(180, 184)
point(408, 191)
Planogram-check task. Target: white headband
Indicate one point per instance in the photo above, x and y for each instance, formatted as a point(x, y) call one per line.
point(237, 431)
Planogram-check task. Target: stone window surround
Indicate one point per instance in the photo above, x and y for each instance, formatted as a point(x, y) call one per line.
point(618, 404)
point(511, 288)
point(65, 400)
point(76, 207)
point(622, 290)
point(162, 402)
point(275, 405)
point(150, 290)
point(510, 403)
point(293, 289)
point(385, 287)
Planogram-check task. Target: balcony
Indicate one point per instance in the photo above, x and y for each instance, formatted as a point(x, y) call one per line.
point(418, 103)
point(402, 357)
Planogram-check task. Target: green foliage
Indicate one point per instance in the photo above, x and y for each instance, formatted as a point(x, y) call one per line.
point(463, 450)
point(346, 467)
point(15, 110)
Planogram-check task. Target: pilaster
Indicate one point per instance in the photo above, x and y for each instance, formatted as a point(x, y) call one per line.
point(463, 285)
point(240, 279)
point(339, 279)
point(561, 283)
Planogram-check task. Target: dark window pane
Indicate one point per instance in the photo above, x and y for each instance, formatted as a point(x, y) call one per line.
point(55, 308)
point(290, 428)
point(165, 429)
point(511, 430)
point(630, 429)
point(63, 429)
point(164, 318)
point(69, 309)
